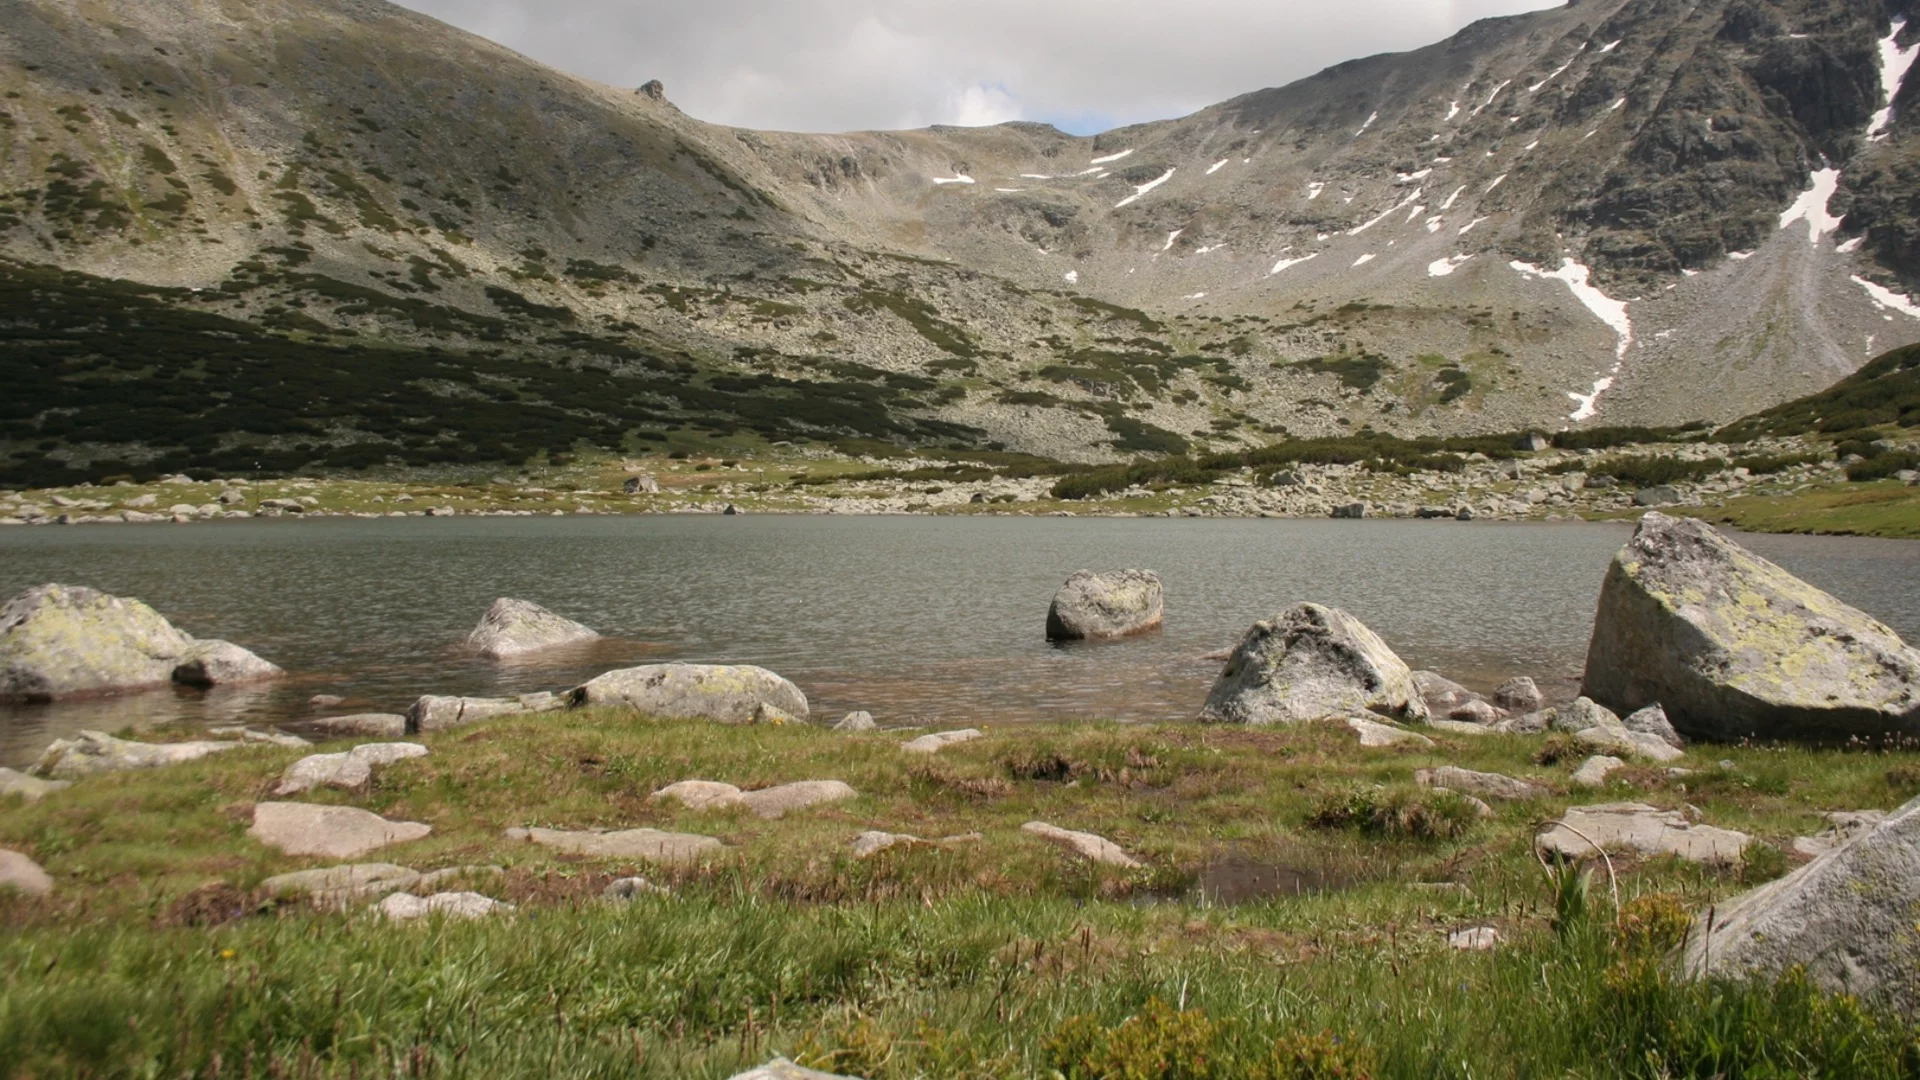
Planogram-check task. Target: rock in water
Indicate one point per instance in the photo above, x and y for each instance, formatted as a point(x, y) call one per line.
point(1308, 662)
point(1732, 646)
point(93, 752)
point(1099, 606)
point(62, 641)
point(1847, 918)
point(512, 627)
point(730, 694)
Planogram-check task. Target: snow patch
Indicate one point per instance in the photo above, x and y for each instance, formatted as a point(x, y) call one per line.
point(1434, 223)
point(1071, 277)
point(1739, 256)
point(1496, 93)
point(963, 178)
point(1895, 62)
point(1610, 46)
point(1209, 247)
point(1445, 267)
point(1608, 310)
point(1171, 237)
point(1557, 72)
point(1497, 181)
point(1110, 158)
point(1530, 147)
point(1194, 296)
point(1448, 205)
point(1468, 227)
point(1215, 167)
point(1851, 246)
point(1314, 189)
point(1142, 189)
point(1384, 215)
point(1811, 206)
point(1364, 259)
point(1453, 109)
point(1616, 106)
point(1414, 213)
point(1887, 298)
point(1284, 263)
point(1009, 190)
point(1587, 405)
point(1368, 124)
point(1034, 176)
point(1403, 179)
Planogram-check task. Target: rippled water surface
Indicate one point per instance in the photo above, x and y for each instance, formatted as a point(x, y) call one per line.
point(915, 619)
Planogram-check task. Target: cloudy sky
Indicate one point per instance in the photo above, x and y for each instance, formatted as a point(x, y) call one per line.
point(840, 65)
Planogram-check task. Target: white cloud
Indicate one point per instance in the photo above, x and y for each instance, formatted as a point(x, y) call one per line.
point(838, 65)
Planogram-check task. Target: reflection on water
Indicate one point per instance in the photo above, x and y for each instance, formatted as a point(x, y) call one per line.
point(920, 620)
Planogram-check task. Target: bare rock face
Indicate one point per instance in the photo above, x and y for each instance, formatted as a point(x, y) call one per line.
point(1102, 606)
point(515, 627)
point(1086, 845)
point(727, 693)
point(1309, 662)
point(1847, 918)
point(1637, 828)
point(1732, 646)
point(59, 641)
point(333, 832)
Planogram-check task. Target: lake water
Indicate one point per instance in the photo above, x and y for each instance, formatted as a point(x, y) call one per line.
point(919, 620)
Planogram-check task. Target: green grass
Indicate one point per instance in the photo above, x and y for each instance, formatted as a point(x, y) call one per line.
point(1003, 957)
point(1887, 509)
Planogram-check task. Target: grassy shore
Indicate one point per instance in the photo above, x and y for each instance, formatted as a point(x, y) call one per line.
point(158, 955)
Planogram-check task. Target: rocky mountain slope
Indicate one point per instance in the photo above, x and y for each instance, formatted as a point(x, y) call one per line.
point(337, 232)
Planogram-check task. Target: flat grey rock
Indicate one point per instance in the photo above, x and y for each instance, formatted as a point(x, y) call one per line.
point(21, 874)
point(1484, 784)
point(30, 788)
point(727, 693)
point(405, 907)
point(775, 802)
point(1842, 826)
point(1621, 828)
point(91, 753)
point(516, 627)
point(349, 769)
point(1087, 845)
point(699, 795)
point(436, 712)
point(1310, 662)
point(1594, 771)
point(940, 740)
point(1474, 939)
point(374, 725)
point(1097, 606)
point(333, 832)
point(1374, 733)
point(339, 886)
point(652, 845)
point(782, 1069)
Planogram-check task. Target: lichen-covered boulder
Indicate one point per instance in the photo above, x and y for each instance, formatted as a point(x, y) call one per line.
point(728, 693)
point(1732, 646)
point(1847, 919)
point(1309, 662)
point(515, 627)
point(59, 641)
point(1101, 606)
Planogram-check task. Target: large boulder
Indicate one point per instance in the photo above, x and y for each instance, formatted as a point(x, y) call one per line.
point(1846, 918)
point(513, 627)
point(728, 693)
point(1732, 646)
point(59, 641)
point(1308, 662)
point(1098, 606)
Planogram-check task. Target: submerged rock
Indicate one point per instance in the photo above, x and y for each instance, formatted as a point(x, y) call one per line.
point(727, 693)
point(1627, 827)
point(514, 627)
point(1846, 919)
point(1112, 604)
point(93, 752)
point(334, 832)
point(60, 641)
point(1309, 662)
point(1732, 646)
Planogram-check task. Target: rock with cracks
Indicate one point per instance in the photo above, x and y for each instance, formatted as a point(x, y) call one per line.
point(333, 832)
point(1732, 646)
point(727, 693)
point(1636, 828)
point(515, 627)
point(1086, 845)
point(1848, 919)
point(1309, 662)
point(1101, 606)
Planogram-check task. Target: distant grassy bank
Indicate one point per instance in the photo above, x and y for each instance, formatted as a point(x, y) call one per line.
point(1002, 956)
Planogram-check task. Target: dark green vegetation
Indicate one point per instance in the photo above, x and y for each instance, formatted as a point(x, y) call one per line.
point(154, 386)
point(1381, 452)
point(1000, 957)
point(1886, 392)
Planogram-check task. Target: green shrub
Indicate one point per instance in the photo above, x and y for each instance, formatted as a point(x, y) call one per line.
point(1883, 465)
point(1655, 469)
point(1397, 812)
point(1768, 464)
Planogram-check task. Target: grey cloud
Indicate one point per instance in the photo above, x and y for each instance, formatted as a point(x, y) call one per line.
point(838, 65)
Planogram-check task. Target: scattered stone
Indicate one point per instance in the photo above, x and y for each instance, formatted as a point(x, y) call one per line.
point(434, 712)
point(405, 907)
point(235, 732)
point(1475, 712)
point(325, 701)
point(1652, 720)
point(341, 886)
point(699, 795)
point(1476, 939)
point(377, 725)
point(873, 842)
point(59, 641)
point(1374, 733)
point(1842, 826)
point(1594, 771)
point(516, 627)
point(1518, 694)
point(1846, 919)
point(650, 844)
point(1733, 646)
point(1637, 827)
point(631, 888)
point(1488, 785)
point(1595, 726)
point(432, 881)
point(779, 801)
point(856, 721)
point(1532, 723)
point(778, 1068)
point(1462, 727)
point(764, 713)
point(1441, 694)
point(729, 694)
point(30, 788)
point(93, 752)
point(21, 874)
point(1086, 845)
point(1102, 606)
point(351, 769)
point(334, 832)
point(928, 744)
point(1309, 662)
